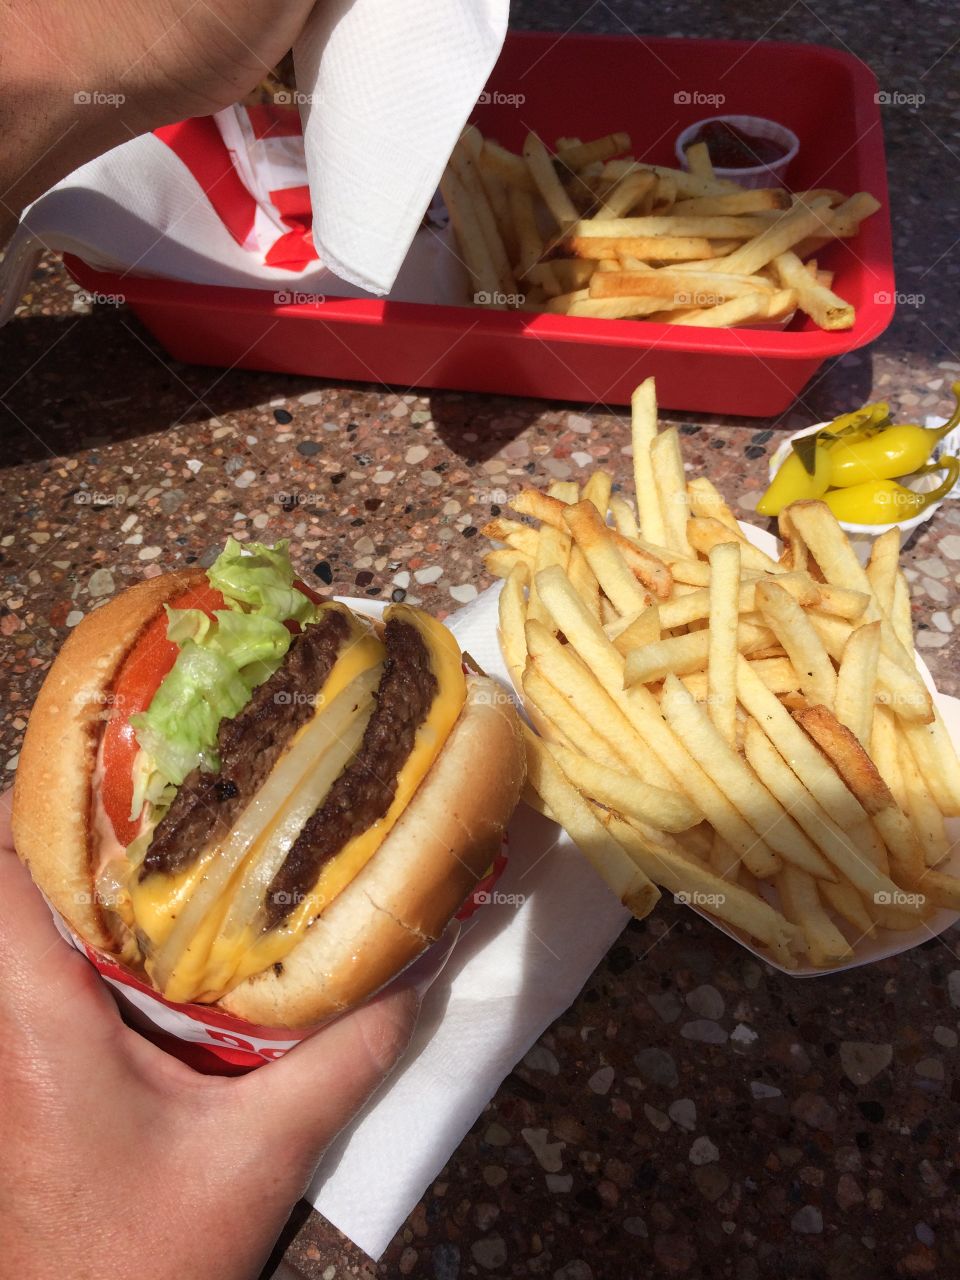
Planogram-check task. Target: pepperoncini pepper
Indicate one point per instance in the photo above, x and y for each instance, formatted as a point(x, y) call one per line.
point(806, 472)
point(854, 450)
point(885, 452)
point(885, 501)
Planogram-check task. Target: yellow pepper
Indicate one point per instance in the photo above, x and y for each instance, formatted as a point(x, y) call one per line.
point(885, 501)
point(884, 452)
point(807, 470)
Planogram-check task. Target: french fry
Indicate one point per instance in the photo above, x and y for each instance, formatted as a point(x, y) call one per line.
point(901, 616)
point(922, 809)
point(615, 308)
point(592, 700)
point(572, 273)
point(704, 532)
point(579, 154)
point(794, 793)
point(735, 203)
point(645, 248)
point(792, 743)
point(628, 794)
point(857, 680)
point(584, 580)
point(776, 673)
point(608, 858)
point(539, 162)
point(849, 906)
point(722, 643)
point(557, 720)
point(604, 557)
point(791, 625)
point(643, 431)
point(704, 499)
point(730, 903)
point(553, 548)
point(684, 289)
point(468, 172)
point(530, 250)
point(698, 160)
point(512, 611)
point(776, 237)
point(624, 519)
point(597, 490)
point(666, 463)
point(510, 169)
point(627, 194)
point(663, 754)
point(682, 654)
point(726, 768)
point(501, 562)
point(645, 566)
point(567, 491)
point(904, 692)
point(882, 569)
point(864, 781)
point(740, 228)
point(521, 536)
point(748, 309)
point(643, 629)
point(801, 905)
point(823, 306)
point(936, 756)
point(469, 235)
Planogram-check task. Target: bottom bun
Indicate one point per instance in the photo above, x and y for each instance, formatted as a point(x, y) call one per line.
point(404, 897)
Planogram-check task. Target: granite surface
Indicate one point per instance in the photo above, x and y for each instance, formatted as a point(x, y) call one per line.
point(693, 1114)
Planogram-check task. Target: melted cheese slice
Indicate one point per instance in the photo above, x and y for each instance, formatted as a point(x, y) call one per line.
point(208, 952)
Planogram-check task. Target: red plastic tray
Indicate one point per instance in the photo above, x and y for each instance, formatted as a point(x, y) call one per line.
point(588, 86)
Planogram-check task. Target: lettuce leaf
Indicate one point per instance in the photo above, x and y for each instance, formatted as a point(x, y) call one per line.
point(221, 661)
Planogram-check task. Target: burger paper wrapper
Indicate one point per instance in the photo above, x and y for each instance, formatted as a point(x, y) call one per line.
point(383, 87)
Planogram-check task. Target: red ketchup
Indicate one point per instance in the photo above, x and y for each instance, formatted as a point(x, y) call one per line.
point(731, 148)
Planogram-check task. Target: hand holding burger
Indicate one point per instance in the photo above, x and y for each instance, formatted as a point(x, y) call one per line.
point(113, 1149)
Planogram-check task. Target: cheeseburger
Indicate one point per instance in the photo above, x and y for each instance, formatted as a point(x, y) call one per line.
point(259, 799)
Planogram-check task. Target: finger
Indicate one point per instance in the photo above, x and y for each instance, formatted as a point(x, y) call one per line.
point(43, 980)
point(300, 1103)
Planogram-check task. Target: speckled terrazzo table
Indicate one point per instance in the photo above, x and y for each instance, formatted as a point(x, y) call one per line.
point(693, 1114)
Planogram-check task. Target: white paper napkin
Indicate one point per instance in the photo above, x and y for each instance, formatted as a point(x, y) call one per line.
point(385, 87)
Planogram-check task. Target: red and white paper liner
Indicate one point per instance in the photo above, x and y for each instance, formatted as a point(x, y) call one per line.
point(205, 1037)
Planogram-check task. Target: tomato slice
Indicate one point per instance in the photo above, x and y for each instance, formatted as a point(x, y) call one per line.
point(138, 680)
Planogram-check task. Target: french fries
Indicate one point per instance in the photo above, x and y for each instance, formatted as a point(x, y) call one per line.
point(629, 240)
point(752, 734)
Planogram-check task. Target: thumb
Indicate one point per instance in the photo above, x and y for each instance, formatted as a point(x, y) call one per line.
point(306, 1098)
